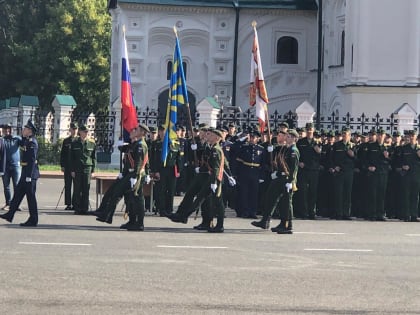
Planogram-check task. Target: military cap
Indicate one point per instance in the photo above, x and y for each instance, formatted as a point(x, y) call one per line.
point(144, 127)
point(73, 125)
point(224, 129)
point(231, 125)
point(203, 126)
point(345, 129)
point(162, 127)
point(373, 131)
point(255, 133)
point(293, 133)
point(396, 134)
point(282, 132)
point(83, 127)
point(331, 133)
point(7, 126)
point(195, 129)
point(411, 132)
point(381, 131)
point(152, 129)
point(317, 133)
point(216, 132)
point(31, 126)
point(284, 124)
point(309, 125)
point(356, 133)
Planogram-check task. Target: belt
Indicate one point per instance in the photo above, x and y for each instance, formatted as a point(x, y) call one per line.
point(26, 163)
point(251, 164)
point(131, 169)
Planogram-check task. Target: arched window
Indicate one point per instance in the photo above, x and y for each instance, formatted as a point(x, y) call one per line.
point(343, 37)
point(169, 70)
point(287, 50)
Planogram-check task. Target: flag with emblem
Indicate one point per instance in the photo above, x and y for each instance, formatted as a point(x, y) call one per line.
point(257, 92)
point(129, 114)
point(178, 96)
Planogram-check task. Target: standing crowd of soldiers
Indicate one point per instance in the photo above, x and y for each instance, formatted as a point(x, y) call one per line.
point(285, 174)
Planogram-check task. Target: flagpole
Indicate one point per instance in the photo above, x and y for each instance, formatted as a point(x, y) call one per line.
point(189, 117)
point(121, 115)
point(254, 26)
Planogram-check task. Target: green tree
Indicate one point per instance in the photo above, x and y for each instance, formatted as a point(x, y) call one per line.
point(63, 50)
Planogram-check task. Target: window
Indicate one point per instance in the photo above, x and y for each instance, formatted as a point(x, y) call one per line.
point(169, 70)
point(287, 50)
point(343, 37)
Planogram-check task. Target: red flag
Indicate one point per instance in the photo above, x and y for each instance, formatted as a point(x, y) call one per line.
point(257, 92)
point(129, 114)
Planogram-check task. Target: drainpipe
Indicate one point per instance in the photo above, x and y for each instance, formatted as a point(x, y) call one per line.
point(319, 71)
point(235, 51)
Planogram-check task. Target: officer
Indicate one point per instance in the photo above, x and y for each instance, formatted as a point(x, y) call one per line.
point(150, 204)
point(28, 179)
point(393, 194)
point(65, 164)
point(251, 159)
point(181, 180)
point(12, 169)
point(309, 162)
point(283, 184)
point(82, 166)
point(341, 167)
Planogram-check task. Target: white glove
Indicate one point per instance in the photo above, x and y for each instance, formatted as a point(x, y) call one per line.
point(289, 187)
point(194, 146)
point(120, 143)
point(261, 181)
point(120, 176)
point(1, 174)
point(185, 164)
point(243, 138)
point(197, 170)
point(133, 182)
point(274, 175)
point(270, 148)
point(147, 179)
point(232, 181)
point(213, 187)
point(28, 179)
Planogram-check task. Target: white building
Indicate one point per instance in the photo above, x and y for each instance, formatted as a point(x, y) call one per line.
point(370, 53)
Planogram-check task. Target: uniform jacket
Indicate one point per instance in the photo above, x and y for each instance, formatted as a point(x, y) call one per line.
point(66, 152)
point(29, 163)
point(339, 156)
point(83, 156)
point(308, 155)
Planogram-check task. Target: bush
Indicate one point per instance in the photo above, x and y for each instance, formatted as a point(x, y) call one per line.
point(49, 153)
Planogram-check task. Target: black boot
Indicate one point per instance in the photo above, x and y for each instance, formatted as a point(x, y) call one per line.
point(135, 223)
point(285, 228)
point(177, 218)
point(219, 226)
point(8, 216)
point(264, 223)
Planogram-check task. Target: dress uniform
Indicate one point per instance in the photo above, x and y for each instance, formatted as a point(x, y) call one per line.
point(282, 186)
point(28, 179)
point(251, 158)
point(65, 164)
point(83, 163)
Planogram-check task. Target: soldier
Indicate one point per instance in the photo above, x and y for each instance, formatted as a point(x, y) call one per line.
point(83, 163)
point(410, 156)
point(28, 179)
point(310, 153)
point(393, 194)
point(12, 169)
point(283, 185)
point(135, 199)
point(65, 165)
point(133, 153)
point(378, 165)
point(341, 168)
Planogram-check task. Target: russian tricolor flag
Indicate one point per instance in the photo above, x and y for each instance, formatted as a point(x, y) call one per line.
point(129, 114)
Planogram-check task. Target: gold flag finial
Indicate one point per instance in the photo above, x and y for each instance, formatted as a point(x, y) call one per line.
point(175, 31)
point(254, 24)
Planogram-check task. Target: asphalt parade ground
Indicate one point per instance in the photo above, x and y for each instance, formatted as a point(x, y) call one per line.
point(75, 265)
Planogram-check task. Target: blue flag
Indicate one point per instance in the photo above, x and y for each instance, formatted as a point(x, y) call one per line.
point(177, 96)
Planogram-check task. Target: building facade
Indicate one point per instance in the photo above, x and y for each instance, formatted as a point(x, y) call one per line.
point(370, 52)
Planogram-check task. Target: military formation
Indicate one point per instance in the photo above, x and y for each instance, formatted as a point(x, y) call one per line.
point(280, 174)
